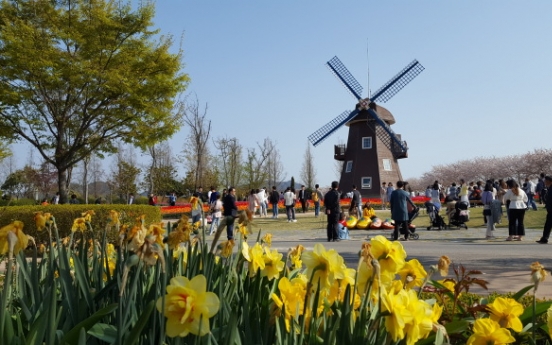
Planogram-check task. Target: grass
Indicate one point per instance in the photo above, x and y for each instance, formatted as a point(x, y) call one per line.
point(533, 220)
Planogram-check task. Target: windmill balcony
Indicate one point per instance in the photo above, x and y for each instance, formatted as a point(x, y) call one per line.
point(339, 152)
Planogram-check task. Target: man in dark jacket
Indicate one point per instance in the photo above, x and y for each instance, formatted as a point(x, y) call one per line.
point(399, 210)
point(274, 198)
point(333, 210)
point(230, 212)
point(548, 204)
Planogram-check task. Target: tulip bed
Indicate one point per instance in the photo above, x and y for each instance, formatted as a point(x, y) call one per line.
point(166, 285)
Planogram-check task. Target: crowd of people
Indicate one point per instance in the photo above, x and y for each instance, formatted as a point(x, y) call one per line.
point(493, 195)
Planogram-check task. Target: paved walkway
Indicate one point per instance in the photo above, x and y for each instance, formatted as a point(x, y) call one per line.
point(505, 265)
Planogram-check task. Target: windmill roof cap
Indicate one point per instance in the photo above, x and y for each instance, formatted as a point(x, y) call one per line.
point(383, 113)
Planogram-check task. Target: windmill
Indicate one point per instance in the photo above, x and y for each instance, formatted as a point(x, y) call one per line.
point(372, 150)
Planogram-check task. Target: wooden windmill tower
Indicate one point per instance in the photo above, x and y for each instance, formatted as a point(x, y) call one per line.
point(373, 149)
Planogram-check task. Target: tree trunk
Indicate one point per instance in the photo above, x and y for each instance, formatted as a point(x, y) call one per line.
point(62, 184)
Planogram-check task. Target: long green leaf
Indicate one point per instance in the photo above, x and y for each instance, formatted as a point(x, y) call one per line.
point(140, 324)
point(105, 332)
point(522, 292)
point(541, 308)
point(82, 279)
point(73, 335)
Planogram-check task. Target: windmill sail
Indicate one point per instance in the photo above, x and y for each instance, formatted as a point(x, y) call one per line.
point(346, 78)
point(325, 131)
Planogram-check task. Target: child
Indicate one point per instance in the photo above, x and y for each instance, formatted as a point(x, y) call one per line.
point(342, 231)
point(368, 211)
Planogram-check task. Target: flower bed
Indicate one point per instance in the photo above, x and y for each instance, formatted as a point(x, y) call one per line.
point(168, 286)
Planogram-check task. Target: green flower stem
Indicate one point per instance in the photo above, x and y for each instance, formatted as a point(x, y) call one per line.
point(534, 314)
point(5, 293)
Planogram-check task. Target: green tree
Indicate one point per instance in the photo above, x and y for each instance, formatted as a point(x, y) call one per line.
point(124, 179)
point(79, 75)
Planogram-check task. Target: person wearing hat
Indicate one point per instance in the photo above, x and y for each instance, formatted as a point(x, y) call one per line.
point(548, 205)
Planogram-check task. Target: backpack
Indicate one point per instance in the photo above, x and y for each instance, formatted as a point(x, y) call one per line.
point(315, 196)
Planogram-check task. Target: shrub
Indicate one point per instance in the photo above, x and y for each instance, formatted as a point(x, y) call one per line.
point(66, 214)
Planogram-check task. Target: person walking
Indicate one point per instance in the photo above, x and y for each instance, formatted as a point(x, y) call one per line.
point(333, 211)
point(487, 200)
point(303, 199)
point(530, 191)
point(230, 213)
point(252, 201)
point(399, 210)
point(389, 190)
point(261, 199)
point(216, 213)
point(316, 197)
point(289, 202)
point(274, 198)
point(518, 204)
point(383, 196)
point(354, 208)
point(548, 204)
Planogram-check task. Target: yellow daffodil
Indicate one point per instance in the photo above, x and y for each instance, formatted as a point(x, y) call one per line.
point(366, 252)
point(242, 229)
point(273, 264)
point(294, 256)
point(538, 274)
point(292, 297)
point(181, 250)
point(42, 219)
point(412, 274)
point(88, 215)
point(226, 248)
point(245, 251)
point(487, 331)
point(114, 218)
point(395, 305)
point(391, 255)
point(506, 312)
point(157, 230)
point(188, 306)
point(323, 266)
point(422, 319)
point(339, 286)
point(443, 265)
point(267, 240)
point(137, 235)
point(79, 224)
point(16, 228)
point(256, 261)
point(176, 237)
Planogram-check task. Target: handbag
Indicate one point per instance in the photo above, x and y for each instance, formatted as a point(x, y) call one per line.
point(235, 213)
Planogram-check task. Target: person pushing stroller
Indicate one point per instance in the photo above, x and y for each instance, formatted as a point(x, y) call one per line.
point(399, 210)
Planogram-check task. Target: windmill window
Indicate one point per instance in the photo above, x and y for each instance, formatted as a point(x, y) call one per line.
point(387, 165)
point(349, 166)
point(367, 142)
point(366, 183)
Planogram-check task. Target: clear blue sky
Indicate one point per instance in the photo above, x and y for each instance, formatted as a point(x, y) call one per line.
point(260, 66)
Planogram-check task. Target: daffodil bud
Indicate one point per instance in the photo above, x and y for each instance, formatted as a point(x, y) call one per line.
point(132, 261)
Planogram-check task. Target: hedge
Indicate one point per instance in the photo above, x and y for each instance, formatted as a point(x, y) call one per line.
point(66, 214)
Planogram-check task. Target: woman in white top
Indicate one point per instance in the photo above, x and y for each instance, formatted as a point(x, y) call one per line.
point(252, 201)
point(216, 209)
point(517, 200)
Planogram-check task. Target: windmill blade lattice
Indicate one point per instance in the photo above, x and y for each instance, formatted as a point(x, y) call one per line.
point(388, 136)
point(325, 131)
point(390, 89)
point(343, 74)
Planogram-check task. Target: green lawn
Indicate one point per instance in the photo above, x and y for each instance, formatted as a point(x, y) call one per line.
point(533, 220)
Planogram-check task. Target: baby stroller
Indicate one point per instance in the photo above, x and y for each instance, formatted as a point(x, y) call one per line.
point(461, 215)
point(412, 214)
point(436, 220)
